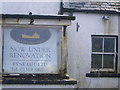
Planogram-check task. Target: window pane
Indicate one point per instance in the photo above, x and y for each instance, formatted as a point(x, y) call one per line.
point(108, 61)
point(97, 44)
point(109, 44)
point(96, 61)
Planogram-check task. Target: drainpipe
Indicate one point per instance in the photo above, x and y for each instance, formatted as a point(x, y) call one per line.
point(106, 28)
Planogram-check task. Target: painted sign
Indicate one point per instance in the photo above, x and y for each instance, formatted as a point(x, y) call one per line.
point(31, 50)
point(30, 36)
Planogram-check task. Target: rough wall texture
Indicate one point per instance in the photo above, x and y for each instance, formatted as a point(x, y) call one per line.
point(79, 43)
point(79, 48)
point(34, 7)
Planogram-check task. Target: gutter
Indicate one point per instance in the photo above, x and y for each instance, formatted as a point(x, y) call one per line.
point(91, 11)
point(18, 16)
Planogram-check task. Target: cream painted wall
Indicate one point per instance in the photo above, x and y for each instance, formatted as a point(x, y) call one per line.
point(34, 7)
point(79, 48)
point(79, 43)
point(40, 87)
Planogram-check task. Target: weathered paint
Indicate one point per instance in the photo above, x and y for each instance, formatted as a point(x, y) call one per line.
point(40, 86)
point(34, 7)
point(79, 48)
point(79, 43)
point(36, 22)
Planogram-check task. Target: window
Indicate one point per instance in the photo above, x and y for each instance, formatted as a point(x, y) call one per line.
point(104, 53)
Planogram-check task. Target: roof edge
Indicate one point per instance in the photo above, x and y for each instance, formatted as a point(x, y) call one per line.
point(91, 11)
point(23, 16)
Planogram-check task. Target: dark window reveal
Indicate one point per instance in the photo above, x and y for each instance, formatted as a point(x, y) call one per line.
point(104, 53)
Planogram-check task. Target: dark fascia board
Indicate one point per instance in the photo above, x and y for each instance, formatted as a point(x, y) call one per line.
point(91, 11)
point(97, 75)
point(19, 16)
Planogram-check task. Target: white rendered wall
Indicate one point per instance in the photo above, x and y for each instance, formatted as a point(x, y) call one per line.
point(37, 8)
point(79, 43)
point(39, 86)
point(79, 48)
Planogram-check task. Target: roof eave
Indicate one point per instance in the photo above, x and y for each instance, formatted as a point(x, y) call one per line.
point(91, 11)
point(37, 16)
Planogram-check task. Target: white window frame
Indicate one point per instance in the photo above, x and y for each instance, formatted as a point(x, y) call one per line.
point(103, 53)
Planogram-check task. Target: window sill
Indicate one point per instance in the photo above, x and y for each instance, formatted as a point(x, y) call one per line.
point(111, 75)
point(38, 79)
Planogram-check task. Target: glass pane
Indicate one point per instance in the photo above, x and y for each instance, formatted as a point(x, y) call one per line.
point(32, 50)
point(109, 44)
point(96, 61)
point(108, 61)
point(97, 44)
